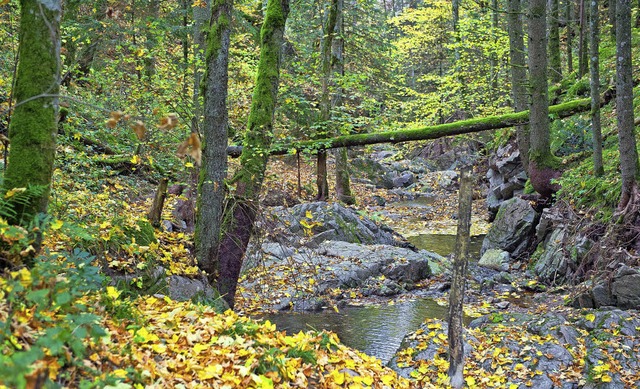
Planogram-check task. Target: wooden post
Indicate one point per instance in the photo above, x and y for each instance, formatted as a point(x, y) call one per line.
point(155, 213)
point(456, 295)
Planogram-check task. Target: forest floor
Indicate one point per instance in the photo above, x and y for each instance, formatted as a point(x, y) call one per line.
point(151, 341)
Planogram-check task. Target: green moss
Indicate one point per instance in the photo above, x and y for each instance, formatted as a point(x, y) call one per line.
point(143, 233)
point(545, 159)
point(34, 122)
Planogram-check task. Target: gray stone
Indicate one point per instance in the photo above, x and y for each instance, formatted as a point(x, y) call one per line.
point(553, 266)
point(183, 289)
point(447, 179)
point(626, 288)
point(404, 180)
point(602, 296)
point(495, 259)
point(512, 228)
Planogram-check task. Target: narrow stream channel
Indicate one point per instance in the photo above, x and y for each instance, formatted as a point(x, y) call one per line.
point(376, 330)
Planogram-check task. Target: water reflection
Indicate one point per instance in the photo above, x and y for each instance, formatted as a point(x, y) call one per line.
point(445, 244)
point(374, 330)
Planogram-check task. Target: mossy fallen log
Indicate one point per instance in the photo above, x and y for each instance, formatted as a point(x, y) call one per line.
point(428, 132)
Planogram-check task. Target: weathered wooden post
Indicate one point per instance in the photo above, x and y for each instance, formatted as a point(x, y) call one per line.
point(456, 295)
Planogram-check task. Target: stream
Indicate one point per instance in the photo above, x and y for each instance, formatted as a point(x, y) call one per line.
point(377, 330)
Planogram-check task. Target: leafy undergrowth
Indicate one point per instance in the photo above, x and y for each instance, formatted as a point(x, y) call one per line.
point(58, 329)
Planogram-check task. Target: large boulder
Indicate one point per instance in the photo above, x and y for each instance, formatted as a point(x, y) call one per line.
point(512, 228)
point(321, 221)
point(625, 287)
point(368, 170)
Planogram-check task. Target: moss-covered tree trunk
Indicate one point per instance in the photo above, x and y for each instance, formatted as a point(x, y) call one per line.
point(33, 128)
point(201, 14)
point(594, 66)
point(542, 164)
point(624, 108)
point(242, 205)
point(555, 65)
point(211, 186)
point(325, 101)
point(518, 75)
point(343, 182)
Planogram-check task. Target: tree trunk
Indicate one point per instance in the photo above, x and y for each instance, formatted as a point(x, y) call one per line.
point(569, 17)
point(594, 34)
point(518, 75)
point(343, 184)
point(555, 66)
point(211, 186)
point(543, 166)
point(495, 70)
point(582, 42)
point(430, 132)
point(241, 210)
point(200, 16)
point(612, 18)
point(155, 213)
point(458, 280)
point(325, 101)
point(151, 42)
point(33, 128)
point(624, 106)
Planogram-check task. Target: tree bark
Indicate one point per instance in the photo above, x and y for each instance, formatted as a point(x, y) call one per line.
point(612, 18)
point(33, 128)
point(343, 184)
point(555, 66)
point(624, 106)
point(543, 166)
point(325, 100)
point(594, 34)
point(155, 213)
point(582, 42)
point(241, 209)
point(458, 280)
point(569, 17)
point(200, 16)
point(211, 186)
point(518, 75)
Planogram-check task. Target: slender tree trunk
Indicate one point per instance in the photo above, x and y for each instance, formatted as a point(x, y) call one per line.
point(343, 186)
point(518, 75)
point(241, 210)
point(155, 213)
point(33, 128)
point(325, 102)
point(458, 280)
point(624, 106)
point(594, 33)
point(211, 186)
point(494, 60)
point(569, 16)
point(555, 66)
point(542, 164)
point(612, 18)
point(582, 42)
point(200, 16)
point(151, 40)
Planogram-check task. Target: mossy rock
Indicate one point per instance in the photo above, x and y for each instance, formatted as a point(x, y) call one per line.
point(144, 234)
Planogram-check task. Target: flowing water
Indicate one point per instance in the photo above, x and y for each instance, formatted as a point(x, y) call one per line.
point(375, 330)
point(445, 244)
point(378, 330)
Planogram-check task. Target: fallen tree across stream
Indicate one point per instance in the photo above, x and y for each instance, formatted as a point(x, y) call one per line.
point(428, 132)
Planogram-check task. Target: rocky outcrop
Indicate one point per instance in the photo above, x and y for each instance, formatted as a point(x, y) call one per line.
point(377, 269)
point(506, 177)
point(495, 259)
point(512, 229)
point(622, 290)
